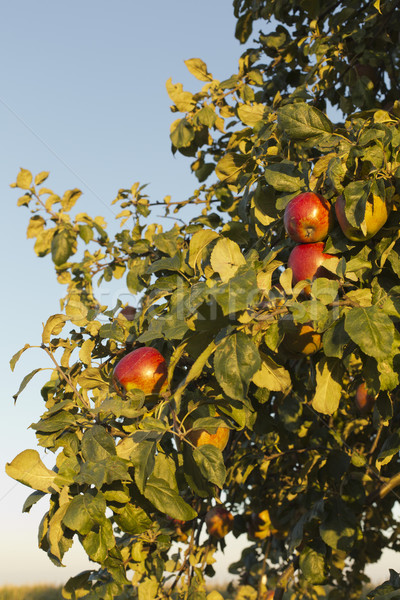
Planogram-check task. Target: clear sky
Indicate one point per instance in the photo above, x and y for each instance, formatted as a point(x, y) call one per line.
point(83, 96)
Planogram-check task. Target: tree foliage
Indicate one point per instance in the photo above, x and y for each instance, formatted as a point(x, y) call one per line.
point(314, 106)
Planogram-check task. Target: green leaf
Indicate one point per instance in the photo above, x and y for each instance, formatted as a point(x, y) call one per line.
point(210, 461)
point(57, 541)
point(41, 177)
point(356, 194)
point(389, 449)
point(302, 122)
point(85, 353)
point(239, 293)
point(53, 326)
point(166, 500)
point(182, 134)
point(236, 361)
point(112, 331)
point(229, 167)
point(206, 116)
point(25, 382)
point(371, 330)
point(271, 376)
point(183, 100)
point(27, 468)
point(35, 227)
point(132, 520)
point(85, 512)
point(97, 444)
point(31, 500)
point(329, 386)
point(338, 527)
point(97, 544)
point(284, 176)
point(69, 199)
point(148, 588)
point(143, 459)
point(252, 114)
point(17, 356)
point(335, 339)
point(312, 564)
point(24, 179)
point(198, 243)
point(198, 68)
point(226, 258)
point(62, 246)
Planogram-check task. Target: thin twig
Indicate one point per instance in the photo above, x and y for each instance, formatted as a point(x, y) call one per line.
point(66, 377)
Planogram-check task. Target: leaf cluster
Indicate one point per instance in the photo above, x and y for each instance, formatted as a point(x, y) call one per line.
point(214, 295)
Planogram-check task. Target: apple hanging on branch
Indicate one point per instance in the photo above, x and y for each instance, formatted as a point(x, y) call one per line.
point(364, 400)
point(306, 260)
point(219, 521)
point(376, 215)
point(143, 369)
point(308, 218)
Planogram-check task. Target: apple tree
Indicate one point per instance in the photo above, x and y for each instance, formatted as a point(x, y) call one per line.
point(278, 412)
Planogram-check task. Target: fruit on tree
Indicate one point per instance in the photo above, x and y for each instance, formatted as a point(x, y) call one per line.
point(301, 338)
point(376, 214)
point(200, 437)
point(259, 525)
point(366, 70)
point(144, 369)
point(308, 218)
point(219, 521)
point(181, 528)
point(305, 260)
point(128, 312)
point(364, 400)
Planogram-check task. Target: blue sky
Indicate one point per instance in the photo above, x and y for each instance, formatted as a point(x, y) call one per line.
point(83, 96)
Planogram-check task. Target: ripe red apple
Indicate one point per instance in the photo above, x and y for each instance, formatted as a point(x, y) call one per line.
point(364, 400)
point(143, 369)
point(181, 528)
point(365, 70)
point(305, 261)
point(129, 313)
point(219, 521)
point(308, 218)
point(376, 214)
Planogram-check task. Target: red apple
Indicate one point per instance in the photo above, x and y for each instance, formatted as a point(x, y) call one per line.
point(305, 260)
point(129, 313)
point(308, 218)
point(365, 70)
point(219, 521)
point(376, 214)
point(143, 369)
point(181, 528)
point(364, 400)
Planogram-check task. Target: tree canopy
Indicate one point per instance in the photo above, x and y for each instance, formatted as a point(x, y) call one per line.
point(303, 372)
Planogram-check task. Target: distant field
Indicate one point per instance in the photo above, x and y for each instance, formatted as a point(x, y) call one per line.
point(37, 592)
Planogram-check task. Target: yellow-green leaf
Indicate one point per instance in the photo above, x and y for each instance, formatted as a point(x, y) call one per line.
point(27, 468)
point(226, 258)
point(24, 179)
point(198, 68)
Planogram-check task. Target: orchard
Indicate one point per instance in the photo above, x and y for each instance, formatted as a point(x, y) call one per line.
point(249, 394)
